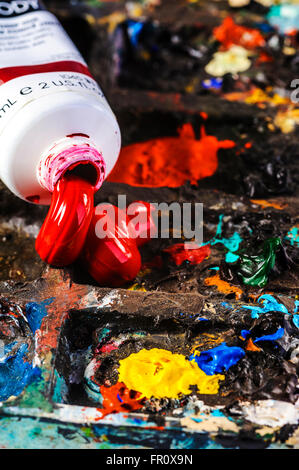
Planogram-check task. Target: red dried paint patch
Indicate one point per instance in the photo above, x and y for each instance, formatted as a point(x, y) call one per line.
point(180, 253)
point(118, 398)
point(229, 34)
point(169, 161)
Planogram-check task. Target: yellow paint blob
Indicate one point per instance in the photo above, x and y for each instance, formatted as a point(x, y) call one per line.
point(160, 373)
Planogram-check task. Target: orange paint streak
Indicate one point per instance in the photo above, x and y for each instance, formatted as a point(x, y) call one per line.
point(251, 347)
point(229, 34)
point(169, 161)
point(223, 286)
point(263, 203)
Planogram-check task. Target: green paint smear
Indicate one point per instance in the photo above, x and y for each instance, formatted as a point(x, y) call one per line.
point(254, 269)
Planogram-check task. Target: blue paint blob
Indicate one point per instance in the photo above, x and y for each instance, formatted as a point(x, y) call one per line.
point(296, 306)
point(279, 334)
point(211, 83)
point(296, 320)
point(134, 30)
point(245, 334)
point(35, 312)
point(215, 360)
point(16, 373)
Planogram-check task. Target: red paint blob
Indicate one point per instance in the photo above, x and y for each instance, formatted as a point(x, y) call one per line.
point(180, 253)
point(229, 34)
point(118, 398)
point(111, 252)
point(64, 230)
point(169, 161)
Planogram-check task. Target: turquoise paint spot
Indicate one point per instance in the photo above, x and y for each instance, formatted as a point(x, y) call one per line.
point(296, 306)
point(103, 334)
point(197, 420)
point(279, 334)
point(231, 244)
point(293, 236)
point(231, 257)
point(296, 320)
point(215, 268)
point(35, 312)
point(284, 17)
point(16, 373)
point(60, 390)
point(215, 360)
point(217, 414)
point(270, 304)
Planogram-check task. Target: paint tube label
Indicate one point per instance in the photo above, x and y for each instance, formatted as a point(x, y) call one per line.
point(37, 58)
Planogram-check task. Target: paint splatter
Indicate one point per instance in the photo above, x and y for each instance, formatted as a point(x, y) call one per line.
point(229, 33)
point(223, 286)
point(160, 373)
point(181, 252)
point(234, 60)
point(118, 398)
point(231, 244)
point(35, 312)
point(216, 360)
point(293, 236)
point(169, 161)
point(15, 372)
point(264, 204)
point(269, 304)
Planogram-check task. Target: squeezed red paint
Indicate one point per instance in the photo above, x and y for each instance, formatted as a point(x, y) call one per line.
point(169, 161)
point(114, 258)
point(64, 230)
point(180, 253)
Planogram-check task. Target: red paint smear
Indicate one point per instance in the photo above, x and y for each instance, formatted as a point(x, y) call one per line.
point(229, 34)
point(180, 253)
point(64, 230)
point(264, 57)
point(169, 161)
point(119, 398)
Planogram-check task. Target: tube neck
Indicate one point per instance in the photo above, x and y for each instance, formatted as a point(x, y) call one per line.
point(69, 154)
